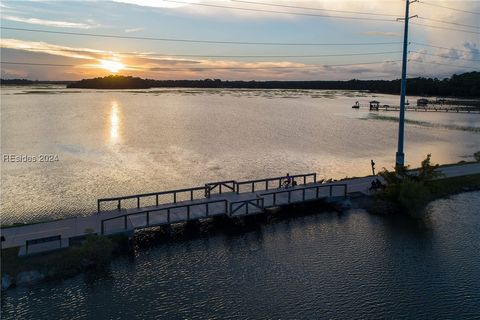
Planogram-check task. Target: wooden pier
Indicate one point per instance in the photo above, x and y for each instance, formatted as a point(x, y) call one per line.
point(376, 106)
point(225, 198)
point(230, 199)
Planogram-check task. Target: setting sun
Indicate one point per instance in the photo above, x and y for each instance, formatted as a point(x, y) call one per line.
point(111, 65)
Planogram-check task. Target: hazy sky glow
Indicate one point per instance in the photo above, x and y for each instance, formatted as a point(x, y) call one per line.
point(83, 56)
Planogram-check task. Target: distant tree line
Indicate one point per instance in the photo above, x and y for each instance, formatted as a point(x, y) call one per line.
point(463, 85)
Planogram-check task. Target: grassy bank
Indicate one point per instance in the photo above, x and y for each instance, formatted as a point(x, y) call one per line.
point(93, 252)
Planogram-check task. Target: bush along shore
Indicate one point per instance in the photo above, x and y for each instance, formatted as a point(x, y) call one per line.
point(409, 191)
point(406, 194)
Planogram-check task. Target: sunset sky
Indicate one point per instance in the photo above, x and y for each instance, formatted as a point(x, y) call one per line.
point(186, 39)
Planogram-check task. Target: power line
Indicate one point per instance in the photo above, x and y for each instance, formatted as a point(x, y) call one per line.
point(154, 54)
point(438, 47)
point(444, 56)
point(199, 41)
point(451, 23)
point(315, 9)
point(280, 12)
point(444, 28)
point(449, 8)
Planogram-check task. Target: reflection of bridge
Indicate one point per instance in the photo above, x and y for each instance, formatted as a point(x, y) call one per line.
point(224, 198)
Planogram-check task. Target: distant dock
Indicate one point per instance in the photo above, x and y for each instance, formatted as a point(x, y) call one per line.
point(420, 106)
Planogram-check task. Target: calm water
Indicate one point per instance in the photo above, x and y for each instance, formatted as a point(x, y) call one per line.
point(112, 143)
point(322, 266)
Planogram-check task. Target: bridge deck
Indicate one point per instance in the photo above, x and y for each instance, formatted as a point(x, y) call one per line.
point(231, 204)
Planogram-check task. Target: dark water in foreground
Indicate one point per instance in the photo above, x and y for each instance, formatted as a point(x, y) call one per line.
point(352, 265)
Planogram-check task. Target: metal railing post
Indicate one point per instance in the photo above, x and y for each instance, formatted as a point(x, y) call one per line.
point(138, 202)
point(303, 194)
point(98, 206)
point(220, 188)
point(148, 218)
point(246, 208)
point(125, 222)
point(317, 190)
point(188, 212)
point(119, 205)
point(157, 200)
point(304, 179)
point(191, 195)
point(168, 215)
point(315, 178)
point(207, 208)
point(253, 187)
point(103, 227)
point(174, 197)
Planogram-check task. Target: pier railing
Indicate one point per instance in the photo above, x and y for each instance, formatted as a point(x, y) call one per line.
point(186, 215)
point(256, 203)
point(173, 195)
point(219, 187)
point(303, 194)
point(274, 183)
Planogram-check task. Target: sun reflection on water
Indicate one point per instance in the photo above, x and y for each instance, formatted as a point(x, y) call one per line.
point(114, 123)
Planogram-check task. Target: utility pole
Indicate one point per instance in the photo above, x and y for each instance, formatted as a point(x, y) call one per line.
point(400, 156)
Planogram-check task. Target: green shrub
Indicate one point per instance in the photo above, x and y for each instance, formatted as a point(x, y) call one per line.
point(97, 250)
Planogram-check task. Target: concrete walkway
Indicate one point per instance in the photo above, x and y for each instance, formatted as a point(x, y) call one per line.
point(74, 227)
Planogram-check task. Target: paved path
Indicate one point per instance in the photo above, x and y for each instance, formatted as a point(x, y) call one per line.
point(74, 227)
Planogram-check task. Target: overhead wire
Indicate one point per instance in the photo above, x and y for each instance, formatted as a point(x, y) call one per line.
point(99, 35)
